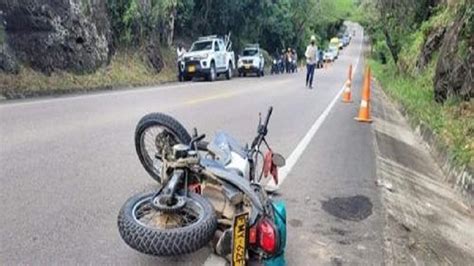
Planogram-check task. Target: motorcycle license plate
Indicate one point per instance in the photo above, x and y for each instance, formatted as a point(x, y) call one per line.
point(239, 239)
point(246, 66)
point(191, 68)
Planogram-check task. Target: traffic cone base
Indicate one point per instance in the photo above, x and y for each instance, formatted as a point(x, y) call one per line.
point(364, 112)
point(363, 120)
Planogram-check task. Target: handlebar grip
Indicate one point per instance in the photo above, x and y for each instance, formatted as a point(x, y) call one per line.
point(202, 145)
point(267, 119)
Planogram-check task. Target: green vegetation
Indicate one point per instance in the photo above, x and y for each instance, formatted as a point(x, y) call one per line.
point(136, 24)
point(398, 33)
point(125, 70)
point(273, 24)
point(453, 121)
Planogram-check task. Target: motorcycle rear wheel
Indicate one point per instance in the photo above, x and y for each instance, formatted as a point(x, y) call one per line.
point(146, 230)
point(155, 133)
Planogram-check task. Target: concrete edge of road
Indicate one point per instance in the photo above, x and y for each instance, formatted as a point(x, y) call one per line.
point(460, 177)
point(415, 194)
point(71, 92)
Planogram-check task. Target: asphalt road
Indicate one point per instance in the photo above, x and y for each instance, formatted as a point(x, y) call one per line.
point(68, 164)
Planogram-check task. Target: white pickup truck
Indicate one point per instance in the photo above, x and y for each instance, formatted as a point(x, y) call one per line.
point(251, 61)
point(209, 57)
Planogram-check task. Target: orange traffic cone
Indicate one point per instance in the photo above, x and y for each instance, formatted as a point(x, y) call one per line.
point(364, 111)
point(350, 73)
point(347, 94)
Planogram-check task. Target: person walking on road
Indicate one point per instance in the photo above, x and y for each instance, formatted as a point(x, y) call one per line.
point(180, 53)
point(311, 58)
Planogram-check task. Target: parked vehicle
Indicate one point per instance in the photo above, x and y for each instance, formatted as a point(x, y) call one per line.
point(209, 57)
point(207, 189)
point(335, 42)
point(346, 40)
point(335, 50)
point(251, 61)
point(277, 66)
point(330, 55)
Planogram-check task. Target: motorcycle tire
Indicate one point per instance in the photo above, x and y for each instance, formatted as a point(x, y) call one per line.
point(155, 241)
point(160, 120)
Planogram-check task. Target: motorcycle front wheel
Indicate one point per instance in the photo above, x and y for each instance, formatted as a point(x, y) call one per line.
point(152, 232)
point(155, 136)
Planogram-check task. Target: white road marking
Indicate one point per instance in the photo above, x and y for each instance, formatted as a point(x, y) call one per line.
point(300, 148)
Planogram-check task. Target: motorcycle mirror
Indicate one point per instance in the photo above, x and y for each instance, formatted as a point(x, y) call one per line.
point(259, 119)
point(278, 160)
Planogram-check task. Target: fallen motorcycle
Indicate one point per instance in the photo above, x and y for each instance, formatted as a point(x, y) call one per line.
point(210, 193)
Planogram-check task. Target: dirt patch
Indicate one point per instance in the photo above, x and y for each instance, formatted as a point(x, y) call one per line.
point(356, 208)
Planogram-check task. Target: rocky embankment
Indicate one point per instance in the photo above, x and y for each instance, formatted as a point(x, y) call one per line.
point(58, 35)
point(55, 35)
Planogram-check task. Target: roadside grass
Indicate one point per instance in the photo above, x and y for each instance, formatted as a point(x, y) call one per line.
point(126, 69)
point(453, 121)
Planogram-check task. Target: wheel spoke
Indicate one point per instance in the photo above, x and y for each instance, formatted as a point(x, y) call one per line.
point(154, 140)
point(150, 217)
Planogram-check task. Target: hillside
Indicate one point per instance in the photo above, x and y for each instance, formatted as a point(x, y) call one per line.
point(422, 54)
point(81, 45)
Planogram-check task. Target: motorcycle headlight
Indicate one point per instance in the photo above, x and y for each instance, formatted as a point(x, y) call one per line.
point(274, 61)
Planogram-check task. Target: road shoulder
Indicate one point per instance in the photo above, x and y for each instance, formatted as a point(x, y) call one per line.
point(334, 207)
point(426, 220)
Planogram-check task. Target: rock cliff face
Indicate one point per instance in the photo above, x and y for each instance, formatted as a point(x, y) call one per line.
point(49, 35)
point(454, 71)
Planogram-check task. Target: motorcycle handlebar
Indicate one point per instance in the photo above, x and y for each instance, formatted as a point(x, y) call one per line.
point(267, 119)
point(262, 129)
point(202, 145)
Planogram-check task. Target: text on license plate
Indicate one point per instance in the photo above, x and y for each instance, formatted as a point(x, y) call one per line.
point(191, 68)
point(247, 66)
point(239, 239)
